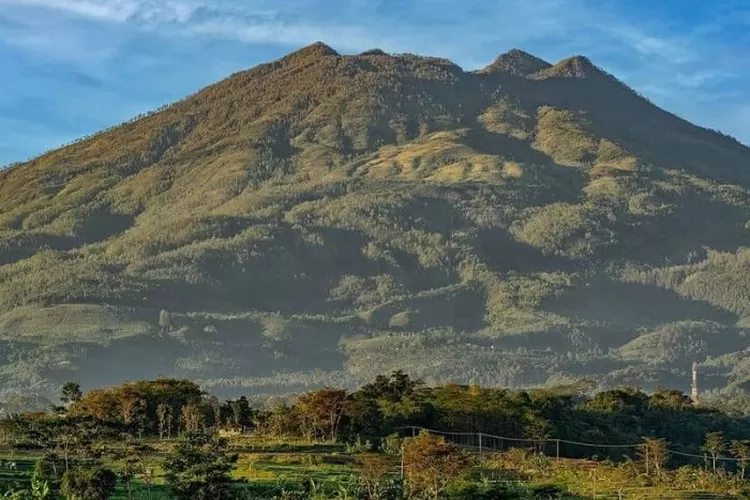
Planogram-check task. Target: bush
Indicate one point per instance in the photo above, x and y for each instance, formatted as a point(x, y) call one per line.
point(462, 490)
point(48, 470)
point(89, 484)
point(391, 444)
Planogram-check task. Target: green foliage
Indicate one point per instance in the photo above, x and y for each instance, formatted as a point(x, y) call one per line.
point(432, 464)
point(47, 475)
point(199, 468)
point(70, 392)
point(89, 484)
point(565, 442)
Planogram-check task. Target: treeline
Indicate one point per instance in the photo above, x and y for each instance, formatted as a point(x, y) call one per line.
point(170, 408)
point(91, 442)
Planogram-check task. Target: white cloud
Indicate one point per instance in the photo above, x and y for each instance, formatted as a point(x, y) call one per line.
point(672, 49)
point(144, 11)
point(114, 10)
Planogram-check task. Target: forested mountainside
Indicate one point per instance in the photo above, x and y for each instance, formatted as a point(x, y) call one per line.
point(324, 218)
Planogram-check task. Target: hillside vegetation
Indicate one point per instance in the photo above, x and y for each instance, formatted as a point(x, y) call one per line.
point(323, 218)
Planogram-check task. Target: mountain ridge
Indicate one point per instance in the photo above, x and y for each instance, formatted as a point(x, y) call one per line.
point(324, 216)
point(574, 66)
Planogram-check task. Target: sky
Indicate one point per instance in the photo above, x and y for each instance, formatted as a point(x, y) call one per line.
point(69, 68)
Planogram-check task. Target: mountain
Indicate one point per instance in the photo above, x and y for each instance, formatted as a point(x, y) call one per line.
point(323, 218)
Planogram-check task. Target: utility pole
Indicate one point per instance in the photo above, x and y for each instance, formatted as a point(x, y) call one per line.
point(694, 392)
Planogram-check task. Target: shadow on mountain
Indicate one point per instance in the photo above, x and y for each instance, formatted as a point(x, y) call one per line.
point(656, 136)
point(633, 305)
point(690, 228)
point(504, 253)
point(24, 245)
point(566, 183)
point(453, 306)
point(505, 146)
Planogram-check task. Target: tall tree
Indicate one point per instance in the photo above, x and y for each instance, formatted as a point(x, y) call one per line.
point(192, 418)
point(70, 393)
point(164, 418)
point(240, 413)
point(215, 405)
point(714, 445)
point(130, 459)
point(741, 451)
point(132, 402)
point(321, 412)
point(654, 454)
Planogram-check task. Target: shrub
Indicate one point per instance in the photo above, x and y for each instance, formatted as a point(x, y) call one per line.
point(89, 484)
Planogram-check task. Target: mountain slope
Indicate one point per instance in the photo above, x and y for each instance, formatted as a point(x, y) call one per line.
point(324, 217)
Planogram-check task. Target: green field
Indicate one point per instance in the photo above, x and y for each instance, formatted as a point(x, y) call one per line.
point(272, 468)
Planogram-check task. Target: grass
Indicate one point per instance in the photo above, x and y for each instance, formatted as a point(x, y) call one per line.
point(263, 463)
point(520, 469)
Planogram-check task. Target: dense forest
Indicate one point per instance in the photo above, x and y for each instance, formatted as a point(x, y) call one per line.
point(194, 440)
point(323, 218)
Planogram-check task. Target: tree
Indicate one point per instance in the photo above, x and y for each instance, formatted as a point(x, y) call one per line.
point(283, 420)
point(164, 416)
point(89, 484)
point(538, 430)
point(363, 415)
point(241, 413)
point(321, 411)
point(394, 388)
point(215, 405)
point(70, 393)
point(741, 450)
point(373, 469)
point(192, 418)
point(654, 454)
point(68, 437)
point(431, 464)
point(102, 404)
point(130, 460)
point(130, 408)
point(199, 469)
point(714, 445)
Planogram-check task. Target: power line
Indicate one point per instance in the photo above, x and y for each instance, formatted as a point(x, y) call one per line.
point(480, 435)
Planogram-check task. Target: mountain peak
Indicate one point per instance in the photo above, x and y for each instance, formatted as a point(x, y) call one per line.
point(573, 67)
point(313, 51)
point(517, 62)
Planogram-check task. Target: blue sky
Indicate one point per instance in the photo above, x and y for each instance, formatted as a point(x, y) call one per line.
point(72, 67)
